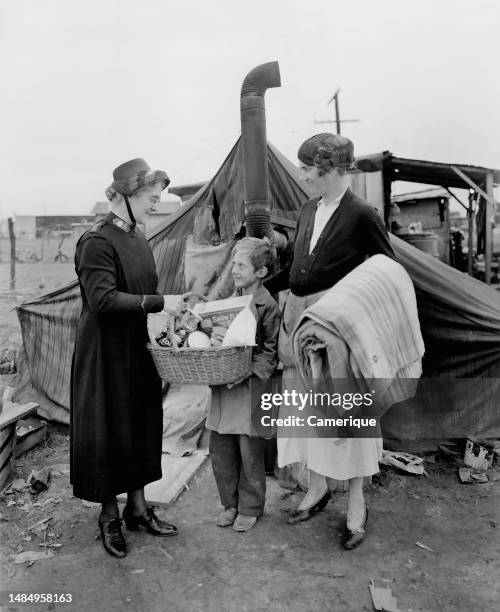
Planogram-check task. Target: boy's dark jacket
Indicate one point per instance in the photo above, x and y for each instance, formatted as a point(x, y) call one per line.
point(237, 410)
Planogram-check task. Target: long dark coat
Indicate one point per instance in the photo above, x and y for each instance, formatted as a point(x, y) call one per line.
point(116, 407)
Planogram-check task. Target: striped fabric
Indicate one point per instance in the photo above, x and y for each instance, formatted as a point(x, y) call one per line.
point(373, 310)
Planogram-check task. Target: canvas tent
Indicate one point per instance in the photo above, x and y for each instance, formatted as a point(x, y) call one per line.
point(460, 316)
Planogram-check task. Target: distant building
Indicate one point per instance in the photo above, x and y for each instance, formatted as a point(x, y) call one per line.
point(424, 211)
point(57, 225)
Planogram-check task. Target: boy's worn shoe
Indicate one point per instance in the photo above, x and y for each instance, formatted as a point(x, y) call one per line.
point(244, 523)
point(226, 517)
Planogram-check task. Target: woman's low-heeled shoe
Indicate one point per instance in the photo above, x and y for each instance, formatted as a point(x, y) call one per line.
point(354, 537)
point(112, 537)
point(149, 521)
point(298, 516)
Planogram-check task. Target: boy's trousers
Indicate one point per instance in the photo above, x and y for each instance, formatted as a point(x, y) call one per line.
point(239, 468)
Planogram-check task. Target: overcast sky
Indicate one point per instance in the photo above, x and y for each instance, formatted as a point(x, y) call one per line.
point(87, 85)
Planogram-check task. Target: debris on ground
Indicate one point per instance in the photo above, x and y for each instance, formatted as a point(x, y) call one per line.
point(16, 485)
point(383, 599)
point(420, 545)
point(87, 504)
point(39, 480)
point(403, 461)
point(60, 469)
point(30, 432)
point(31, 556)
point(478, 455)
point(468, 475)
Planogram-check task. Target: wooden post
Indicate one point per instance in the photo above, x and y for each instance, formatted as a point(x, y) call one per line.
point(337, 112)
point(12, 237)
point(470, 239)
point(488, 233)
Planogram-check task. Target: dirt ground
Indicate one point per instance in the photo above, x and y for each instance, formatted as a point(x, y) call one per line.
point(275, 566)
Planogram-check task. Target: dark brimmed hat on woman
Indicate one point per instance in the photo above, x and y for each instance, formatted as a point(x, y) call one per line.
point(132, 176)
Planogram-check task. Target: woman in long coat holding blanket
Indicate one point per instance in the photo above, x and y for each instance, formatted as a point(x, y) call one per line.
point(336, 231)
point(116, 394)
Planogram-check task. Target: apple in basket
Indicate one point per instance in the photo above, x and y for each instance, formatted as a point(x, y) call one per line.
point(198, 339)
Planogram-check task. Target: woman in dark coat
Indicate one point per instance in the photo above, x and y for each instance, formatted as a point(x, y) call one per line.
point(116, 402)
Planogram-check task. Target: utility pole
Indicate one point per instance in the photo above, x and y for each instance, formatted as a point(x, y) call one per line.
point(338, 120)
point(12, 237)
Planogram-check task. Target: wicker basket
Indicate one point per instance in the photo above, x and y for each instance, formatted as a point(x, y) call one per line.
point(217, 365)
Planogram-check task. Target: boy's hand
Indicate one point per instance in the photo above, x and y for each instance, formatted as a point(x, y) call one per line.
point(239, 381)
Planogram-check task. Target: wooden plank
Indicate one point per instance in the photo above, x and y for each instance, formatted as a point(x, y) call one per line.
point(474, 186)
point(470, 238)
point(488, 230)
point(16, 412)
point(454, 196)
point(177, 472)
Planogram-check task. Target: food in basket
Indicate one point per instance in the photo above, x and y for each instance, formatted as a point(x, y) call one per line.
point(163, 340)
point(198, 339)
point(228, 322)
point(232, 313)
point(188, 321)
point(206, 326)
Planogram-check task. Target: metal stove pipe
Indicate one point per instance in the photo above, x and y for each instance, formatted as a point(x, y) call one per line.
point(253, 136)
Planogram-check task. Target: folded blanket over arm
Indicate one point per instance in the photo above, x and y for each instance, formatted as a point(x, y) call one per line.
point(372, 310)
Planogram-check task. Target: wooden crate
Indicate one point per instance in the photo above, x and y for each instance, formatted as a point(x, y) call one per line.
point(9, 416)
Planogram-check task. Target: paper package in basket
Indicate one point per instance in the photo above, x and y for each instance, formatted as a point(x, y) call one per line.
point(231, 320)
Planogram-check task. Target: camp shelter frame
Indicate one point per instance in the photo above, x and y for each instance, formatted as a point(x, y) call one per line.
point(478, 180)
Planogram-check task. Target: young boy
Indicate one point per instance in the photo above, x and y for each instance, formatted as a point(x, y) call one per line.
point(237, 444)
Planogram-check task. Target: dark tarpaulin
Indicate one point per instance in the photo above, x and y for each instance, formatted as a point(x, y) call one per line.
point(460, 322)
point(459, 316)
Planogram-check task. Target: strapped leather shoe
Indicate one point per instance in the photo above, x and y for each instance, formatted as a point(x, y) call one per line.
point(298, 516)
point(112, 537)
point(149, 521)
point(354, 537)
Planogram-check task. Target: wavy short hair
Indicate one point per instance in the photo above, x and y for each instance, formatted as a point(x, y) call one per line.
point(328, 151)
point(260, 251)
